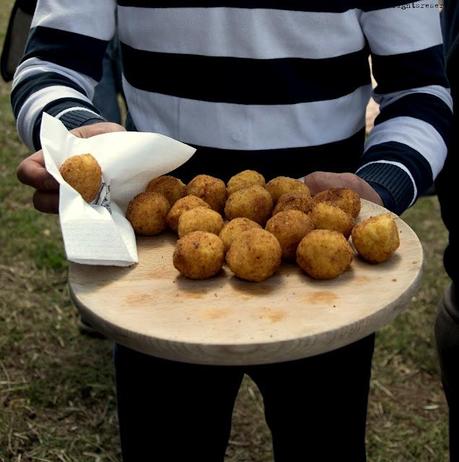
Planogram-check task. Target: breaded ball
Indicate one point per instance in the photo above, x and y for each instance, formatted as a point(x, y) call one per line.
point(289, 227)
point(324, 215)
point(210, 189)
point(147, 213)
point(199, 255)
point(255, 255)
point(324, 254)
point(253, 202)
point(283, 185)
point(376, 238)
point(344, 198)
point(294, 201)
point(232, 230)
point(170, 187)
point(244, 180)
point(83, 173)
point(182, 205)
point(200, 219)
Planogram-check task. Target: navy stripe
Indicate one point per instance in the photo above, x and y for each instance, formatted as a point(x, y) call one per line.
point(337, 6)
point(341, 156)
point(409, 70)
point(417, 164)
point(246, 81)
point(35, 83)
point(329, 6)
point(53, 45)
point(421, 106)
point(55, 107)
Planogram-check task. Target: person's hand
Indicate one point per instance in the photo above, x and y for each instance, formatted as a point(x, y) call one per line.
point(319, 181)
point(32, 172)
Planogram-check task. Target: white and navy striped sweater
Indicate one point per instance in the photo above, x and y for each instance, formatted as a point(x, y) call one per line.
point(280, 86)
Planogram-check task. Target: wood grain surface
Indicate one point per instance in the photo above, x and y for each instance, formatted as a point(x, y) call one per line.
point(151, 308)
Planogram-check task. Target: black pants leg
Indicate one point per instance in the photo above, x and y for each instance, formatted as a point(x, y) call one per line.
point(173, 412)
point(316, 407)
point(447, 338)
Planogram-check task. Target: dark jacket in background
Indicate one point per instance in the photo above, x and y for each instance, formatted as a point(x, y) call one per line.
point(447, 181)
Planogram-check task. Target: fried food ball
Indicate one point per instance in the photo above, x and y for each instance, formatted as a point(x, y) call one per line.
point(294, 201)
point(170, 187)
point(324, 215)
point(232, 230)
point(344, 198)
point(147, 213)
point(289, 227)
point(283, 185)
point(376, 238)
point(83, 173)
point(324, 254)
point(199, 255)
point(244, 180)
point(200, 219)
point(253, 202)
point(182, 205)
point(255, 255)
point(209, 189)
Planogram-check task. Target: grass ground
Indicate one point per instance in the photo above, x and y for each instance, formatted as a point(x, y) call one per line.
point(56, 392)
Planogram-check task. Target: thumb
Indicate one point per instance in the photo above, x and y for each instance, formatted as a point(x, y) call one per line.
point(86, 131)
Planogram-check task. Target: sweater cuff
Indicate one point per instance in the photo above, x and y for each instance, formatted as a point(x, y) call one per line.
point(392, 182)
point(72, 112)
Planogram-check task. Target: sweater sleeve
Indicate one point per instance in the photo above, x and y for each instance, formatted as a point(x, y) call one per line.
point(407, 147)
point(62, 65)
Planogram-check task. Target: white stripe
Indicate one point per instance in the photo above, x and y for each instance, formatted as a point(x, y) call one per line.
point(396, 30)
point(401, 166)
point(33, 106)
point(419, 135)
point(35, 66)
point(248, 127)
point(95, 18)
point(241, 32)
point(72, 109)
point(435, 90)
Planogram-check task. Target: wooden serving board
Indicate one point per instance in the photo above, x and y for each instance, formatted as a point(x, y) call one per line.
point(151, 308)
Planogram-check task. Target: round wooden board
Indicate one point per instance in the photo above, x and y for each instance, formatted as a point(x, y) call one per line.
point(151, 308)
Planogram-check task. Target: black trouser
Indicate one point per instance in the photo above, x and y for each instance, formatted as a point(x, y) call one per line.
point(175, 412)
point(447, 337)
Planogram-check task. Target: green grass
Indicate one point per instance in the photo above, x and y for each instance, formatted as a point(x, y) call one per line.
point(56, 389)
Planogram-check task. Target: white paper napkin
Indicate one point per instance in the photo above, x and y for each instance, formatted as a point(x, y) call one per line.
point(100, 234)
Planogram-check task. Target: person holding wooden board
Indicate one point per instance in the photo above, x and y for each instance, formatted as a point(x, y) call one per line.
point(277, 87)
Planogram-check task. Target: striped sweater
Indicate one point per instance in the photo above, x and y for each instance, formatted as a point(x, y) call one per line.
point(280, 86)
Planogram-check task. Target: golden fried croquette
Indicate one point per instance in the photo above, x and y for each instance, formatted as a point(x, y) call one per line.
point(255, 255)
point(209, 189)
point(147, 213)
point(324, 254)
point(182, 205)
point(294, 201)
point(376, 238)
point(234, 228)
point(324, 215)
point(289, 227)
point(170, 187)
point(199, 255)
point(200, 219)
point(83, 173)
point(283, 185)
point(344, 198)
point(253, 202)
point(244, 180)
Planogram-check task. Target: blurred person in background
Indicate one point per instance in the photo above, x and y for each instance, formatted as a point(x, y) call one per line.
point(252, 86)
point(447, 322)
